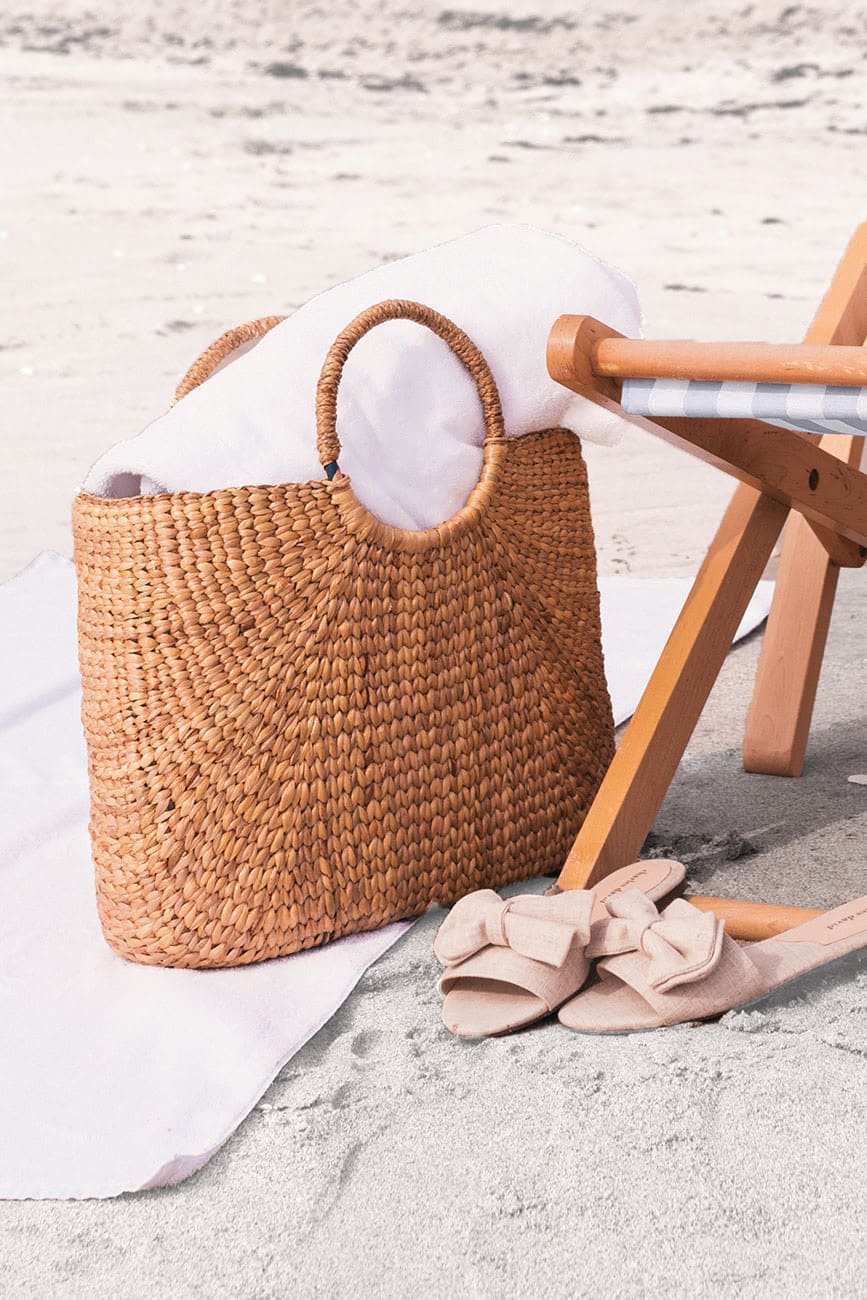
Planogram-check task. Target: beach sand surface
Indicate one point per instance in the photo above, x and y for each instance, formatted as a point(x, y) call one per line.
point(168, 171)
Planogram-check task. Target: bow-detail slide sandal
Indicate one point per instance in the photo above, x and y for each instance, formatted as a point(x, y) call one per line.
point(679, 965)
point(511, 962)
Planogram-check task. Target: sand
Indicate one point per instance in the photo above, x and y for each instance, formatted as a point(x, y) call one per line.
point(170, 171)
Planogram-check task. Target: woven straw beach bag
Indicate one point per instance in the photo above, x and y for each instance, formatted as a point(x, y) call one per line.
point(302, 722)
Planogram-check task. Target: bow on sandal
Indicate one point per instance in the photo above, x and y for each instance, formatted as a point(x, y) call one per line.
point(510, 962)
point(680, 965)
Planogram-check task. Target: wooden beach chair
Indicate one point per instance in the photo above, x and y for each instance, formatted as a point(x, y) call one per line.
point(788, 422)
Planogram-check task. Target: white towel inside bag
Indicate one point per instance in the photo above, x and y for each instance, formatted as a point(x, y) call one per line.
point(409, 418)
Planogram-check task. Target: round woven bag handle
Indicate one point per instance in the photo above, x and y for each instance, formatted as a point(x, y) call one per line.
point(205, 365)
point(327, 441)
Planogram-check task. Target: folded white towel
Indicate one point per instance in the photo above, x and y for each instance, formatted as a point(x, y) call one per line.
point(408, 415)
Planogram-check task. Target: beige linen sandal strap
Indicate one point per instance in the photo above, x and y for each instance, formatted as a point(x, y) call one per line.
point(633, 995)
point(509, 962)
point(530, 924)
point(815, 943)
point(680, 963)
point(712, 988)
point(658, 881)
point(528, 941)
point(661, 879)
point(552, 985)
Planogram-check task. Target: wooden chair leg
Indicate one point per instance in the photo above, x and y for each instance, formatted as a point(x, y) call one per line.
point(642, 769)
point(794, 643)
point(778, 722)
point(635, 785)
point(754, 921)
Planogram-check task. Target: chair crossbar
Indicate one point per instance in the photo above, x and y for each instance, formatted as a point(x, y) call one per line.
point(615, 357)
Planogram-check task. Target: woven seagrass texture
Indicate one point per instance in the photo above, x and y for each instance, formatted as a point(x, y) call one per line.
point(303, 723)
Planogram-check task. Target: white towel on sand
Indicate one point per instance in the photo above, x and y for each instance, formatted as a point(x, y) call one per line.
point(115, 1077)
point(408, 415)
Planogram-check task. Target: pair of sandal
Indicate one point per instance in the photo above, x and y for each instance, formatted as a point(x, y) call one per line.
point(511, 962)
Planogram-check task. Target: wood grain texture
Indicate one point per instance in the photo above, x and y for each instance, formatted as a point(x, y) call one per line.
point(767, 363)
point(635, 785)
point(839, 550)
point(797, 469)
point(572, 344)
point(841, 317)
point(777, 462)
point(790, 467)
point(754, 921)
point(642, 769)
point(778, 723)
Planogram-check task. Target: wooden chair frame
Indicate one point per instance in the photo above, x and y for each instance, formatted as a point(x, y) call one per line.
point(818, 480)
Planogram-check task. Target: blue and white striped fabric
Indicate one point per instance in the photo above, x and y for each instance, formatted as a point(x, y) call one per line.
point(809, 408)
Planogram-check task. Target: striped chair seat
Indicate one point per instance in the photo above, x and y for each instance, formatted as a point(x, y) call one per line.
point(809, 408)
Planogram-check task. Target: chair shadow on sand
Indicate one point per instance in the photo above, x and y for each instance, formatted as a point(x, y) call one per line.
point(716, 816)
